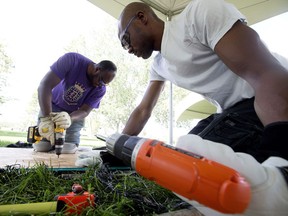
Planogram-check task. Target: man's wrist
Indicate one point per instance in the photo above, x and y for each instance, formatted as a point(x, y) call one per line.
point(44, 118)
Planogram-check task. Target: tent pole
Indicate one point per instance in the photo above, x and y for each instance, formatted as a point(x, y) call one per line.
point(171, 119)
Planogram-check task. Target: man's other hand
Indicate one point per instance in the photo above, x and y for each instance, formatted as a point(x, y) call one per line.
point(61, 119)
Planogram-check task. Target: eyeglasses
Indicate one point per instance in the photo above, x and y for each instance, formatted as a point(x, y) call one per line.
point(125, 40)
point(102, 82)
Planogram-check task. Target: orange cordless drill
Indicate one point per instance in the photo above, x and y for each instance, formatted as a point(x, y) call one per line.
point(189, 175)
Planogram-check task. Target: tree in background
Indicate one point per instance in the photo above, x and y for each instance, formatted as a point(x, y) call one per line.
point(129, 84)
point(6, 66)
point(32, 111)
point(126, 90)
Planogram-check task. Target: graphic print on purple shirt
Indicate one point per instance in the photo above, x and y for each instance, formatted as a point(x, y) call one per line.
point(75, 89)
point(73, 94)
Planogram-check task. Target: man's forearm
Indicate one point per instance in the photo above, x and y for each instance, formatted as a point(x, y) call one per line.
point(45, 101)
point(271, 99)
point(78, 115)
point(135, 123)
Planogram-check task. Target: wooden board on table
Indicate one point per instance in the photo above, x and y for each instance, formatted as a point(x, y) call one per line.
point(27, 157)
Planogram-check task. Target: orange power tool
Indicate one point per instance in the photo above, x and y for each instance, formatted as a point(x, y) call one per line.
point(189, 175)
point(76, 201)
point(73, 203)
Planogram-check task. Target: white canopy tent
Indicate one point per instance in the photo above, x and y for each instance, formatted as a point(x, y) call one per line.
point(254, 10)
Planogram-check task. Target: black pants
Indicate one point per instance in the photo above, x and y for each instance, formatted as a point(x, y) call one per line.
point(238, 127)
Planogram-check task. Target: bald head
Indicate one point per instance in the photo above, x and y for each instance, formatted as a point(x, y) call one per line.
point(140, 30)
point(133, 8)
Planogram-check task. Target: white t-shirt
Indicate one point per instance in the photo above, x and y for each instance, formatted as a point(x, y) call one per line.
point(187, 55)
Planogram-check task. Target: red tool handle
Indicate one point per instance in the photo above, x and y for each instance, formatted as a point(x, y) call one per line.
point(76, 201)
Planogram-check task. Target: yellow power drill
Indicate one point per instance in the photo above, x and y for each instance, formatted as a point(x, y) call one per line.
point(34, 136)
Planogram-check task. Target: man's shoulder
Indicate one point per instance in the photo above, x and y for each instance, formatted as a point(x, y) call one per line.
point(75, 55)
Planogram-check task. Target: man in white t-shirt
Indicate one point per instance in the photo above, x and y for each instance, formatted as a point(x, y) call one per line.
point(209, 49)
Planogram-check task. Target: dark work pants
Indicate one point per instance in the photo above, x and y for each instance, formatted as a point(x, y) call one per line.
point(238, 127)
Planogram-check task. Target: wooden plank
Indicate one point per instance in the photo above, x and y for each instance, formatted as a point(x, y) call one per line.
point(27, 157)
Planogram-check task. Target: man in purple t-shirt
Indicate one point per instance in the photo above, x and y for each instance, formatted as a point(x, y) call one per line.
point(73, 86)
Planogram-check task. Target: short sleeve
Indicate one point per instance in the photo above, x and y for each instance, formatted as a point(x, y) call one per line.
point(157, 65)
point(63, 65)
point(210, 20)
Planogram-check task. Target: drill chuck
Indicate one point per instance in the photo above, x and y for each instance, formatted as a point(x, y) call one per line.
point(185, 173)
point(122, 147)
point(59, 140)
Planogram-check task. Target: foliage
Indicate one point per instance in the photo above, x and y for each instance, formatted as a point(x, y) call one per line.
point(161, 111)
point(129, 84)
point(32, 111)
point(118, 192)
point(6, 66)
point(124, 93)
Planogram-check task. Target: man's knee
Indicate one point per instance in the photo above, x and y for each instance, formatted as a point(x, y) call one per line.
point(73, 132)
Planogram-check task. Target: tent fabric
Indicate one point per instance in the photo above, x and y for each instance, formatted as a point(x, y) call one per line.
point(254, 10)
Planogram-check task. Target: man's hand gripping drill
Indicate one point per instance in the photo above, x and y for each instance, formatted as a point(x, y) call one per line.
point(53, 128)
point(209, 173)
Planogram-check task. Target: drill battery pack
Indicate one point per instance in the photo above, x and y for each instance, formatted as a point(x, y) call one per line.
point(33, 135)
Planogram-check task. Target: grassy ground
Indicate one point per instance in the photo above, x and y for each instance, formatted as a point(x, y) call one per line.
point(117, 192)
point(8, 137)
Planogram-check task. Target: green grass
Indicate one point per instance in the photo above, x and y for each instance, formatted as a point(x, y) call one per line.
point(117, 192)
point(4, 143)
point(8, 137)
point(13, 133)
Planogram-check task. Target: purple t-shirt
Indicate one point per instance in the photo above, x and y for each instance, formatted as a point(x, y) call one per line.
point(75, 89)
